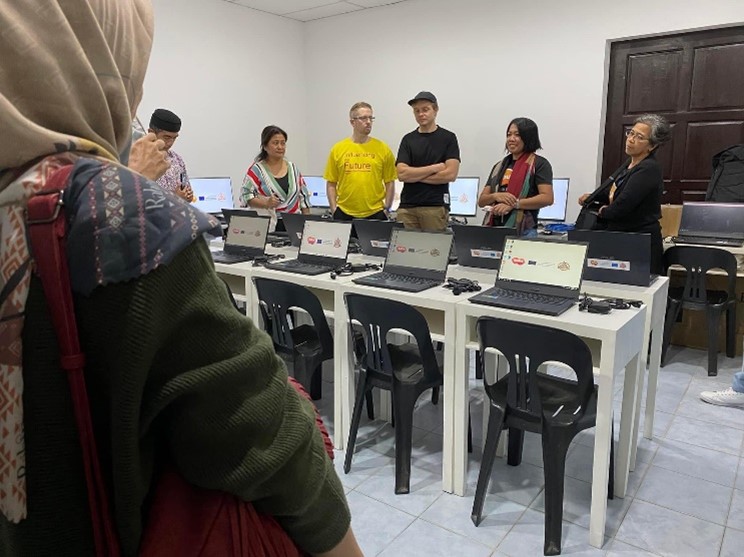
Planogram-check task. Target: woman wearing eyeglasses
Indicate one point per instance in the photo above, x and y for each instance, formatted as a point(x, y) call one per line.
point(630, 199)
point(272, 182)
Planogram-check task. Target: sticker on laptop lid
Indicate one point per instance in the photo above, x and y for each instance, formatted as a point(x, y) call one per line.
point(611, 264)
point(380, 244)
point(485, 253)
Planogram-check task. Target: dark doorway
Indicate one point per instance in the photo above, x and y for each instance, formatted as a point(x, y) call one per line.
point(696, 80)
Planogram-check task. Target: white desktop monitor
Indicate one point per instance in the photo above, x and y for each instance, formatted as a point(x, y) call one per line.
point(557, 211)
point(212, 194)
point(396, 197)
point(316, 189)
point(464, 193)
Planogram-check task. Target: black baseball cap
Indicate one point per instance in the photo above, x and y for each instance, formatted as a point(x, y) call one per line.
point(424, 96)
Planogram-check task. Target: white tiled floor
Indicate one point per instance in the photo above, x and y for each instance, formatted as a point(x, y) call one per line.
point(685, 498)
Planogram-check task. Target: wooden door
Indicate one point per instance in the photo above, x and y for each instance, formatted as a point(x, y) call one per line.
point(696, 81)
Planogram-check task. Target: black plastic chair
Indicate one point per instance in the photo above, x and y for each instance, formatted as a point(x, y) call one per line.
point(406, 370)
point(308, 346)
point(528, 400)
point(697, 261)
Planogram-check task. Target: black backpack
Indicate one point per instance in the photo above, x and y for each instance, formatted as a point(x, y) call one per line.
point(727, 182)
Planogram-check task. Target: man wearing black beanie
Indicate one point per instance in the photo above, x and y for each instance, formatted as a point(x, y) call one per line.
point(166, 125)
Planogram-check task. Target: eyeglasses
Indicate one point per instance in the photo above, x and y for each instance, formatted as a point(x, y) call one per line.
point(632, 134)
point(364, 118)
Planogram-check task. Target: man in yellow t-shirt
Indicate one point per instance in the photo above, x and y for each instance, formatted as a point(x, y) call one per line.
point(360, 172)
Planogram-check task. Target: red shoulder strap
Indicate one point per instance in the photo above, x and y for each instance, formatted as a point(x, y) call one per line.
point(47, 231)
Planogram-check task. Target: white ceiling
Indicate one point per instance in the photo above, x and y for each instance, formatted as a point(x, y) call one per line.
point(308, 10)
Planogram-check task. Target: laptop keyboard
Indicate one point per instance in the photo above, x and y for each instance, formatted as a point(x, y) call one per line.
point(398, 282)
point(297, 266)
point(389, 277)
point(706, 241)
point(222, 257)
point(527, 296)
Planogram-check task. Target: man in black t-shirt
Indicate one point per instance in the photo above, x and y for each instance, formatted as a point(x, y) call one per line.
point(428, 160)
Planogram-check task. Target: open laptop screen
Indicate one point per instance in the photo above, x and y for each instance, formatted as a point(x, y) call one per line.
point(212, 194)
point(398, 189)
point(548, 263)
point(724, 220)
point(419, 250)
point(325, 238)
point(316, 189)
point(247, 232)
point(464, 196)
point(557, 211)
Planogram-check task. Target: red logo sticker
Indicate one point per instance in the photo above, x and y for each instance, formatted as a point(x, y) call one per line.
point(311, 240)
point(401, 249)
point(518, 260)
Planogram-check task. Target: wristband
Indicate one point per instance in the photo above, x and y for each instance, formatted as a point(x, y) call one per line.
point(517, 205)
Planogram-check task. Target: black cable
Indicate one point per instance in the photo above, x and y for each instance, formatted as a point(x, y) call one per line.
point(350, 268)
point(263, 259)
point(605, 306)
point(461, 285)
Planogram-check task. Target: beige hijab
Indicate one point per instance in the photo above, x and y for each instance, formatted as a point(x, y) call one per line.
point(70, 79)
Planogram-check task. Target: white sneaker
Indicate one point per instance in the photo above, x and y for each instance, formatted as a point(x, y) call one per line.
point(727, 397)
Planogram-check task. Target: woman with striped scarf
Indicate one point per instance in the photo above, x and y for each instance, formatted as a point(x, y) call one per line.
point(273, 182)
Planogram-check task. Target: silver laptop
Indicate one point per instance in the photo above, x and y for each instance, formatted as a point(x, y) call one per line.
point(415, 261)
point(537, 276)
point(245, 240)
point(323, 248)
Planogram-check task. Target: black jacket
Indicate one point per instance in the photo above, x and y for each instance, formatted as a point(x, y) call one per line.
point(636, 205)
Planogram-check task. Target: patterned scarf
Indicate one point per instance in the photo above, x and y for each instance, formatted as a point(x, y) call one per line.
point(519, 187)
point(72, 65)
point(262, 180)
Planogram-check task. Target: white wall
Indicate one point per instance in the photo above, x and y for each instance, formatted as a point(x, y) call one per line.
point(487, 61)
point(227, 71)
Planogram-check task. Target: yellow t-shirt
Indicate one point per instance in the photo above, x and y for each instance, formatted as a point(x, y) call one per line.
point(360, 172)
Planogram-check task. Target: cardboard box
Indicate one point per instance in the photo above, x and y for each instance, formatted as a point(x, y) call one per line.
point(670, 218)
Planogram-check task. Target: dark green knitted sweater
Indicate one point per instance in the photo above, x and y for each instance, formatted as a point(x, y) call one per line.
point(172, 371)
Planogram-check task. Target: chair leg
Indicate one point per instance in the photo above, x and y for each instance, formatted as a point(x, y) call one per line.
point(316, 383)
point(714, 318)
point(555, 441)
point(495, 425)
point(672, 313)
point(355, 417)
point(516, 443)
point(370, 405)
point(470, 433)
point(301, 373)
point(435, 395)
point(404, 400)
point(731, 331)
point(478, 367)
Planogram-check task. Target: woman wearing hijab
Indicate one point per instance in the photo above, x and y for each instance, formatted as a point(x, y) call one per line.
point(185, 376)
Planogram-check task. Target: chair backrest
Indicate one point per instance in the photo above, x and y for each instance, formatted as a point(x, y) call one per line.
point(697, 261)
point(276, 298)
point(378, 317)
point(526, 347)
